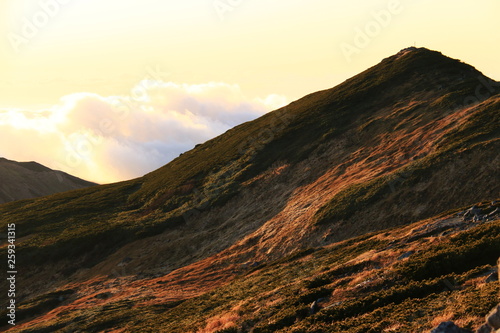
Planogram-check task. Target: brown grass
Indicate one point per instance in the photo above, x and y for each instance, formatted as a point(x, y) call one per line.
point(469, 321)
point(445, 316)
point(221, 322)
point(393, 328)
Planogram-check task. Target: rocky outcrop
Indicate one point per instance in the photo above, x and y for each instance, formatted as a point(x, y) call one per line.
point(493, 318)
point(476, 214)
point(492, 324)
point(485, 329)
point(449, 327)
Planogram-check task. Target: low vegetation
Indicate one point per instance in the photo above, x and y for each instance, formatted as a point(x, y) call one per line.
point(358, 277)
point(445, 277)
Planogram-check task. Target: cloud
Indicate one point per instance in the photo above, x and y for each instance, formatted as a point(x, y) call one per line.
point(113, 138)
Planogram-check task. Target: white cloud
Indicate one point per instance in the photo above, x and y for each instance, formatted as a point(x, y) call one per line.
point(114, 138)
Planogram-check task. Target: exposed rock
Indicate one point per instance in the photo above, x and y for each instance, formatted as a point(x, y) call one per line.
point(333, 305)
point(478, 218)
point(476, 214)
point(429, 230)
point(449, 327)
point(405, 255)
point(493, 213)
point(485, 329)
point(493, 318)
point(314, 308)
point(472, 213)
point(492, 277)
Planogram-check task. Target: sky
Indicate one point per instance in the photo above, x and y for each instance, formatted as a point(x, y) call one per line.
point(110, 90)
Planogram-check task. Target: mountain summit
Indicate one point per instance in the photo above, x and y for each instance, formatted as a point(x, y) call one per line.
point(404, 141)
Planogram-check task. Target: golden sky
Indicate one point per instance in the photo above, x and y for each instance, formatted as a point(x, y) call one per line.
point(65, 63)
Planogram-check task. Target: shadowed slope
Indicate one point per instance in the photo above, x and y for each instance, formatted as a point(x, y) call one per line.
point(26, 180)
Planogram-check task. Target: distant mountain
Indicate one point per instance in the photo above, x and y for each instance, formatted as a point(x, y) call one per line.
point(27, 180)
point(321, 199)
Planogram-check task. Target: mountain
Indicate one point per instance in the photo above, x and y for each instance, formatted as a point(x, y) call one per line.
point(27, 180)
point(248, 228)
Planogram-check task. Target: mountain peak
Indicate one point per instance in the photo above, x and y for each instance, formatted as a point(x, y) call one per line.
point(409, 49)
point(382, 150)
point(430, 61)
point(417, 73)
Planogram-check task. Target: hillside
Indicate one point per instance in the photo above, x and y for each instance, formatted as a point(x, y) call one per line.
point(406, 279)
point(402, 142)
point(27, 180)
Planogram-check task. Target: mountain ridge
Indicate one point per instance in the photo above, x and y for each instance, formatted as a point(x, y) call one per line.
point(27, 180)
point(392, 146)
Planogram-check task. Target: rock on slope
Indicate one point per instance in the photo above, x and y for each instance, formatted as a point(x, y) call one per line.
point(28, 180)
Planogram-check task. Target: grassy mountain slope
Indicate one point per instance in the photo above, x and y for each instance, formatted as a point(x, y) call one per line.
point(403, 141)
point(26, 180)
point(405, 279)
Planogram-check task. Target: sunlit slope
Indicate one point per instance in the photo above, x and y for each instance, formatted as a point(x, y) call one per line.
point(407, 139)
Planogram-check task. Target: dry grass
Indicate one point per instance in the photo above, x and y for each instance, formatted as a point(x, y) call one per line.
point(469, 321)
point(275, 170)
point(393, 328)
point(363, 276)
point(445, 316)
point(273, 212)
point(221, 322)
point(476, 283)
